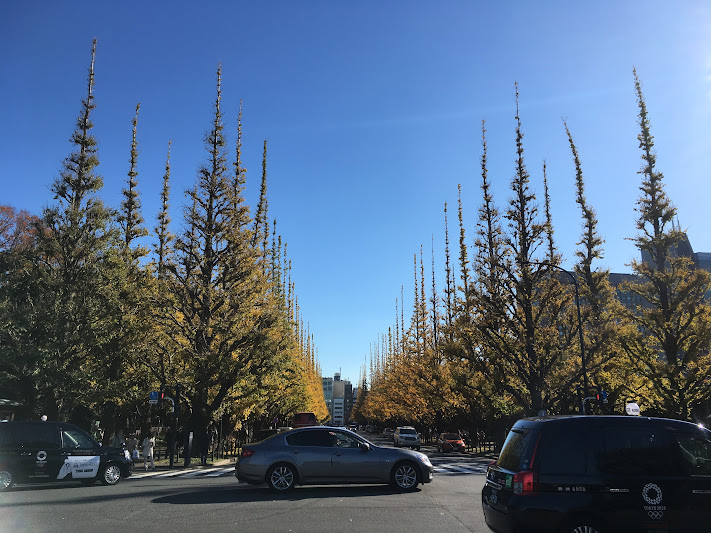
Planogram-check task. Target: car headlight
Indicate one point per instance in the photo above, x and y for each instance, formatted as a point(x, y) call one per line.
point(422, 457)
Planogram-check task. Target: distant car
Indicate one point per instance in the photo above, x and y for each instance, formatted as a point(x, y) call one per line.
point(304, 419)
point(407, 436)
point(450, 442)
point(325, 455)
point(354, 427)
point(34, 452)
point(388, 433)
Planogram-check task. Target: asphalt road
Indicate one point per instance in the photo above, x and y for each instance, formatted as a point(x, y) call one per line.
point(211, 500)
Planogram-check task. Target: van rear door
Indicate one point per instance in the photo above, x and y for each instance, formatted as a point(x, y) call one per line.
point(40, 451)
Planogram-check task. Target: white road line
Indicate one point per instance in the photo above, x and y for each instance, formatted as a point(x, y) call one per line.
point(179, 473)
point(201, 472)
point(222, 472)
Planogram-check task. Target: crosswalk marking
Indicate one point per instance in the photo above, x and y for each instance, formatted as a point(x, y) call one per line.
point(441, 468)
point(205, 471)
point(445, 468)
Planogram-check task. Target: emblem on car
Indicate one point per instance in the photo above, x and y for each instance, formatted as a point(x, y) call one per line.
point(41, 458)
point(652, 494)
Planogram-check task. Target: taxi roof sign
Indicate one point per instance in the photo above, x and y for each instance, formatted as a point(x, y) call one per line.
point(632, 409)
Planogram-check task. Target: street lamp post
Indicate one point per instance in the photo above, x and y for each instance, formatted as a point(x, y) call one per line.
point(580, 327)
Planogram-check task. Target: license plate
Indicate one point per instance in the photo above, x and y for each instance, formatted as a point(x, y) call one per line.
point(494, 496)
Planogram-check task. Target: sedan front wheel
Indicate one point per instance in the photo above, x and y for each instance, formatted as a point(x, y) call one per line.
point(404, 476)
point(110, 475)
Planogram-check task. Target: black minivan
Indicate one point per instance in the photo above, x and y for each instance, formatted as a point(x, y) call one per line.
point(601, 474)
point(32, 452)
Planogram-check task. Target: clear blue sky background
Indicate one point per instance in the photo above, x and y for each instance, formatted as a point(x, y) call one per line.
point(372, 111)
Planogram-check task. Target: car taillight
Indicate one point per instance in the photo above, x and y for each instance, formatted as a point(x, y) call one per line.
point(524, 483)
point(247, 452)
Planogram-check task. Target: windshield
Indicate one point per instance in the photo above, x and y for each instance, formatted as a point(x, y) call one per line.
point(451, 436)
point(408, 432)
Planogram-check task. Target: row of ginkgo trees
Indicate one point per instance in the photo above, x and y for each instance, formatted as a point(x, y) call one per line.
point(504, 338)
point(92, 319)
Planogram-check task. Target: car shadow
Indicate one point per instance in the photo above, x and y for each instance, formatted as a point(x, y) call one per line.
point(217, 495)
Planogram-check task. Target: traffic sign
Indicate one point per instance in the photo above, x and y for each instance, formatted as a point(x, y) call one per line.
point(153, 395)
point(152, 402)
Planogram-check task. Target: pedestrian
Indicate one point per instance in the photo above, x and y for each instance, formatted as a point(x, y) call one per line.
point(148, 444)
point(132, 446)
point(117, 441)
point(205, 446)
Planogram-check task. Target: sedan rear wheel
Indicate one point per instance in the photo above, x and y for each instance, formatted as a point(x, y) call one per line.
point(404, 476)
point(281, 477)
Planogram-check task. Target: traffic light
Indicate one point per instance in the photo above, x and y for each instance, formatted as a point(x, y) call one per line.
point(601, 397)
point(161, 397)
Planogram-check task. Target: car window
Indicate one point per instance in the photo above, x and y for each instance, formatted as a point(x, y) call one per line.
point(317, 437)
point(695, 453)
point(518, 449)
point(569, 452)
point(407, 432)
point(637, 451)
point(35, 436)
point(77, 439)
point(346, 441)
point(450, 436)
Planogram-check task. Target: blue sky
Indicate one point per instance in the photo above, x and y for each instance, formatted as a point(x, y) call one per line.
point(372, 112)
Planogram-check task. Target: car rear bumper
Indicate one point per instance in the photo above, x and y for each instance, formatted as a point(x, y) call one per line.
point(516, 517)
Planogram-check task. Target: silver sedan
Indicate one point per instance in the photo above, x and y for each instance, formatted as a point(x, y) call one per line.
point(326, 455)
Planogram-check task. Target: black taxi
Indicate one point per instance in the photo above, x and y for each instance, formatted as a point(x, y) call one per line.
point(601, 474)
point(35, 452)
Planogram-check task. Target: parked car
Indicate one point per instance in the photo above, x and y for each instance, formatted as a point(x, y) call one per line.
point(407, 436)
point(36, 452)
point(323, 455)
point(450, 442)
point(388, 433)
point(598, 474)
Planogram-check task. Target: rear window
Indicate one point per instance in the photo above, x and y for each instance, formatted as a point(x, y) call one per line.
point(316, 437)
point(408, 432)
point(30, 435)
point(518, 449)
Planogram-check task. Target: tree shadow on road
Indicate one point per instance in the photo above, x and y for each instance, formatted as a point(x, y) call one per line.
point(217, 495)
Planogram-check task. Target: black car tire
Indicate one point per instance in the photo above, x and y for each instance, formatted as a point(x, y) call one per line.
point(281, 477)
point(110, 474)
point(404, 476)
point(7, 478)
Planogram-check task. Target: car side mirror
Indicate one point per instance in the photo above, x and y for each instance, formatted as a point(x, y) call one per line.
point(364, 447)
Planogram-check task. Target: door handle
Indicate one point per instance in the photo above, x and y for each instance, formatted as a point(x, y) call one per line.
point(295, 452)
point(701, 491)
point(338, 454)
point(26, 453)
point(618, 490)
